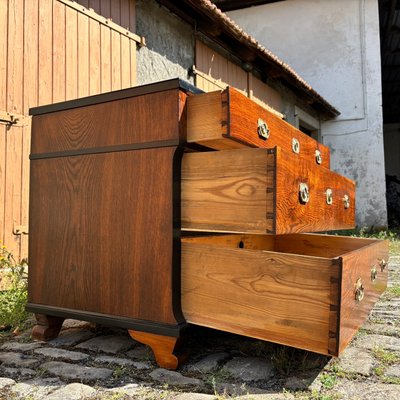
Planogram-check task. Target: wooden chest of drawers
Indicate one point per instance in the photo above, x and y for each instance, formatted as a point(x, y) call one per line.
point(115, 199)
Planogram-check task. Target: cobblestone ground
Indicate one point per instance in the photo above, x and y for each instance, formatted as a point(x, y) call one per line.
point(87, 362)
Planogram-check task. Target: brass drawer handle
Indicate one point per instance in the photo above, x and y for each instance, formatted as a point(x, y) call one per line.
point(374, 274)
point(318, 157)
point(304, 193)
point(295, 146)
point(382, 263)
point(359, 290)
point(346, 201)
point(329, 196)
point(262, 129)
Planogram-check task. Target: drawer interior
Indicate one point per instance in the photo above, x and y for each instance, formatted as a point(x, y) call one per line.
point(326, 246)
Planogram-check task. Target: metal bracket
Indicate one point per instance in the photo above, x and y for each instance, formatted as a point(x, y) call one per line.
point(262, 129)
point(374, 274)
point(359, 290)
point(329, 196)
point(20, 230)
point(11, 119)
point(295, 146)
point(318, 157)
point(304, 194)
point(346, 201)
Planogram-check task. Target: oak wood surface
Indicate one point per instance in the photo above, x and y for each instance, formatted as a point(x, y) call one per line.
point(272, 296)
point(257, 191)
point(101, 235)
point(234, 117)
point(226, 190)
point(252, 286)
point(152, 117)
point(357, 265)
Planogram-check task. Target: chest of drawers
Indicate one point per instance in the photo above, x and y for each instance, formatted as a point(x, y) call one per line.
point(115, 200)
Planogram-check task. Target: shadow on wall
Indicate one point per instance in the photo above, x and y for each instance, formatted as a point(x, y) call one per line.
point(393, 201)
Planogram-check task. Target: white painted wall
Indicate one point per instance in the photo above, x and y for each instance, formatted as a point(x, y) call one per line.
point(334, 45)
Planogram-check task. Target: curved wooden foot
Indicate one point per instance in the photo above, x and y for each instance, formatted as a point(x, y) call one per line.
point(165, 348)
point(47, 327)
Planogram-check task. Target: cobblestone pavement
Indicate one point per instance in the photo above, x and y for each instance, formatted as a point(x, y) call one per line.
point(88, 362)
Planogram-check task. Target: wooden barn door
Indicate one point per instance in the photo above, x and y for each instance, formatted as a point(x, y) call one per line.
point(51, 51)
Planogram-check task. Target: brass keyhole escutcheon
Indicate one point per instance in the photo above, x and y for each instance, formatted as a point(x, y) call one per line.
point(346, 201)
point(262, 129)
point(304, 194)
point(329, 196)
point(374, 274)
point(318, 157)
point(359, 290)
point(295, 146)
point(382, 263)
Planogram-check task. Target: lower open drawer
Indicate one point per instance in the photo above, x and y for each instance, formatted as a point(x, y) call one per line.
point(307, 291)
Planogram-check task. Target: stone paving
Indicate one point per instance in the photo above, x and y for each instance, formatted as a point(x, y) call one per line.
point(89, 362)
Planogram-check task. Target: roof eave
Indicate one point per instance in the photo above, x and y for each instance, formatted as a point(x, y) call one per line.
point(212, 22)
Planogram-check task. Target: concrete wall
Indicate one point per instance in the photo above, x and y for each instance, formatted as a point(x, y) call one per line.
point(334, 45)
point(170, 44)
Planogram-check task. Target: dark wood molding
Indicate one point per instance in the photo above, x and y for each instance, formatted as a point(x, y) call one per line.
point(111, 320)
point(175, 83)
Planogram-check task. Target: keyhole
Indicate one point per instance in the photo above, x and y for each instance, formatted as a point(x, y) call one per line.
point(241, 245)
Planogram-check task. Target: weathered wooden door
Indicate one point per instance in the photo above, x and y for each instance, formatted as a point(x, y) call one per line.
point(51, 51)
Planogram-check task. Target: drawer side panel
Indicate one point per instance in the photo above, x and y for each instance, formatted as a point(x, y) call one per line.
point(231, 191)
point(358, 265)
point(293, 216)
point(244, 115)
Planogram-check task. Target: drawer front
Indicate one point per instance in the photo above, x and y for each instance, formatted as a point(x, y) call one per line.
point(248, 284)
point(258, 191)
point(229, 120)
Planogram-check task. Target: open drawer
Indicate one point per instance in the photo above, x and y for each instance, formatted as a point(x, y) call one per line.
point(307, 291)
point(262, 191)
point(229, 120)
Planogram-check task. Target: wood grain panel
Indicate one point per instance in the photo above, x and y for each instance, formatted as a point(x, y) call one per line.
point(115, 60)
point(226, 191)
point(358, 264)
point(75, 263)
point(94, 58)
point(239, 122)
point(237, 191)
point(271, 296)
point(3, 53)
point(58, 62)
point(113, 123)
point(12, 206)
point(3, 156)
point(45, 51)
point(83, 55)
point(15, 57)
point(71, 53)
point(316, 215)
point(105, 40)
point(26, 147)
point(125, 68)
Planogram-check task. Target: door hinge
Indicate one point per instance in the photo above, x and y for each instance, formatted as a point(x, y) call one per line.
point(20, 230)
